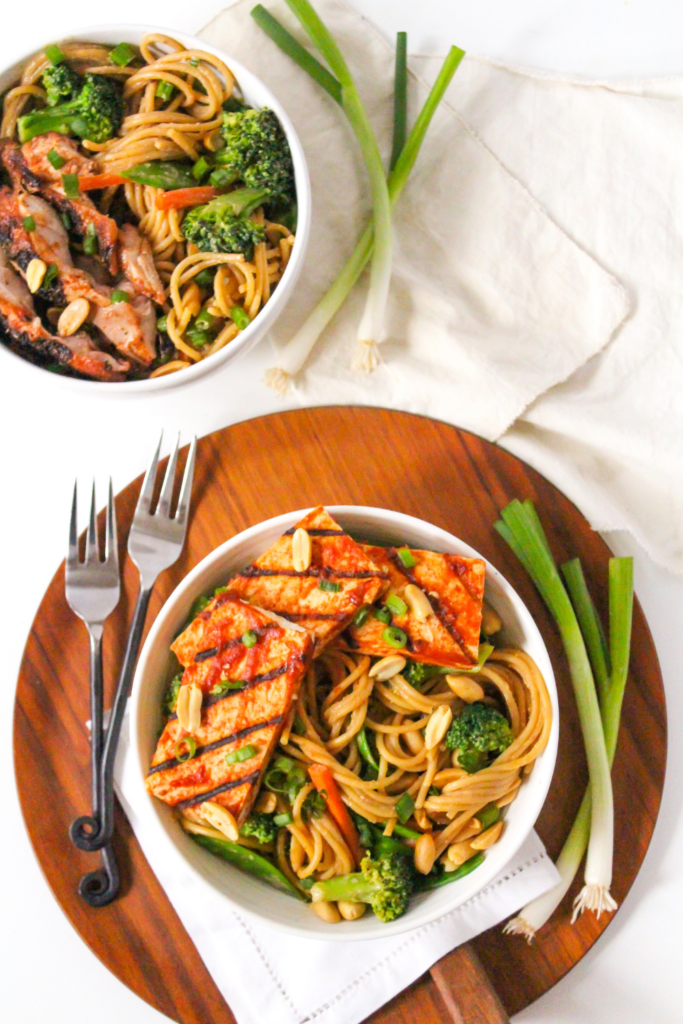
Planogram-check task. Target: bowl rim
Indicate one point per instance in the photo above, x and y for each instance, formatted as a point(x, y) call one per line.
point(463, 890)
point(267, 316)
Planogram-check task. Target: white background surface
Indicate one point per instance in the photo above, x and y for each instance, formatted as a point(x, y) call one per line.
point(632, 974)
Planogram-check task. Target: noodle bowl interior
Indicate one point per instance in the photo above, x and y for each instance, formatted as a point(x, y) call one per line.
point(145, 221)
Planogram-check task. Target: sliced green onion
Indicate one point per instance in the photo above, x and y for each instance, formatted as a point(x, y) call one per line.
point(204, 318)
point(239, 316)
point(205, 278)
point(394, 636)
point(66, 221)
point(201, 168)
point(118, 295)
point(250, 638)
point(198, 337)
point(405, 805)
point(164, 91)
point(55, 159)
point(243, 754)
point(383, 614)
point(30, 223)
point(400, 97)
point(226, 685)
point(194, 63)
point(122, 54)
point(406, 556)
point(191, 748)
point(488, 816)
point(397, 606)
point(362, 615)
point(283, 819)
point(54, 54)
point(71, 187)
point(330, 586)
point(90, 242)
point(50, 275)
point(162, 324)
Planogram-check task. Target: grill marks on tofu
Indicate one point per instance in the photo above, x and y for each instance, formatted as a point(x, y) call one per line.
point(211, 651)
point(454, 587)
point(273, 583)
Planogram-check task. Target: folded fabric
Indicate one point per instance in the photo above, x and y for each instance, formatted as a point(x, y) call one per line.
point(264, 976)
point(491, 303)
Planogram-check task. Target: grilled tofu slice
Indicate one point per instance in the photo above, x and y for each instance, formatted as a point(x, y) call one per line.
point(454, 588)
point(324, 597)
point(247, 694)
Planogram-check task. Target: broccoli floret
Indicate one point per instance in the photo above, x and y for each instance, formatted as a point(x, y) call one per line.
point(386, 883)
point(95, 113)
point(417, 673)
point(61, 83)
point(223, 225)
point(479, 734)
point(257, 153)
point(260, 827)
point(171, 696)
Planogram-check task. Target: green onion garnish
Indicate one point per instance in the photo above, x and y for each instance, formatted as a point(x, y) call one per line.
point(54, 54)
point(55, 159)
point(122, 54)
point(164, 91)
point(250, 638)
point(66, 221)
point(397, 606)
point(201, 168)
point(406, 556)
point(239, 316)
point(30, 223)
point(405, 806)
point(118, 295)
point(50, 275)
point(191, 748)
point(205, 277)
point(283, 819)
point(194, 63)
point(383, 614)
point(90, 243)
point(162, 324)
point(243, 754)
point(71, 186)
point(198, 337)
point(394, 636)
point(204, 319)
point(329, 586)
point(362, 615)
point(226, 685)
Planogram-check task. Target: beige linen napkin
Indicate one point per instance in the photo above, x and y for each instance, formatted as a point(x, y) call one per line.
point(491, 303)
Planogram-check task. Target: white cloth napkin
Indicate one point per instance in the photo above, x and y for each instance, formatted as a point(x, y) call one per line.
point(264, 977)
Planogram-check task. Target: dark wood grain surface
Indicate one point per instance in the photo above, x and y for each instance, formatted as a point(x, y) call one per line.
point(247, 473)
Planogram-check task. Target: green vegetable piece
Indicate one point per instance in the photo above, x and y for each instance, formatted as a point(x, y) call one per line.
point(480, 734)
point(219, 590)
point(243, 754)
point(365, 750)
point(165, 174)
point(488, 816)
point(162, 324)
point(251, 862)
point(164, 91)
point(417, 673)
point(406, 556)
point(407, 833)
point(329, 585)
point(204, 319)
point(198, 606)
point(383, 614)
point(122, 54)
point(250, 638)
point(118, 295)
point(171, 695)
point(257, 153)
point(201, 168)
point(29, 223)
point(54, 54)
point(205, 278)
point(315, 804)
point(198, 337)
point(405, 806)
point(90, 242)
point(95, 113)
point(50, 275)
point(386, 883)
point(397, 606)
point(434, 881)
point(185, 741)
point(283, 819)
point(61, 83)
point(226, 686)
point(224, 224)
point(289, 45)
point(362, 615)
point(66, 221)
point(240, 317)
point(55, 159)
point(261, 827)
point(71, 187)
point(298, 726)
point(394, 636)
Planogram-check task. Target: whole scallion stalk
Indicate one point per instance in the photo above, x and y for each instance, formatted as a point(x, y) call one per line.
point(301, 345)
point(535, 914)
point(521, 527)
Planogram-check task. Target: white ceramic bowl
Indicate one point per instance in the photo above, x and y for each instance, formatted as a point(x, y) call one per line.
point(256, 94)
point(245, 892)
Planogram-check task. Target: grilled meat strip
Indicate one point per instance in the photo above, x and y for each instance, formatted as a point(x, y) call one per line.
point(323, 598)
point(212, 651)
point(23, 327)
point(454, 587)
point(137, 263)
point(31, 170)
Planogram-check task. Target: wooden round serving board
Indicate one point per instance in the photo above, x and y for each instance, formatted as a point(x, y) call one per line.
point(248, 473)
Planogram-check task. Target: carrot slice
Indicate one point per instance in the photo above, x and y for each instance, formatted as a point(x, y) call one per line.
point(323, 780)
point(181, 197)
point(87, 182)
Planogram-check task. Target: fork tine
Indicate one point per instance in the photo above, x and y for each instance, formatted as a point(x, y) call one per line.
point(111, 545)
point(166, 496)
point(92, 553)
point(72, 553)
point(186, 489)
point(145, 499)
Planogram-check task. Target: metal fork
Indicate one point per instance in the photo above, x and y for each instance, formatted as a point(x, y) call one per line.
point(154, 543)
point(93, 589)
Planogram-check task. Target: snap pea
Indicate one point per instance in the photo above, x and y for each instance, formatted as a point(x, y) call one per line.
point(250, 861)
point(364, 748)
point(165, 174)
point(407, 833)
point(488, 816)
point(427, 882)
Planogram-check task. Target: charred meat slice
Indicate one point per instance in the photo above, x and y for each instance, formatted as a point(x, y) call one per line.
point(30, 169)
point(453, 588)
point(248, 692)
point(137, 263)
point(129, 326)
point(323, 598)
